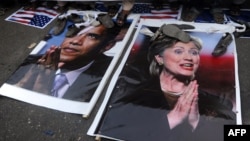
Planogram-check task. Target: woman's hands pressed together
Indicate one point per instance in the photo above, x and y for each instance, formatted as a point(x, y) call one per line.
point(186, 108)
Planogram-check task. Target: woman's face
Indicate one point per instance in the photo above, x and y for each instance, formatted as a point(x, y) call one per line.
point(181, 59)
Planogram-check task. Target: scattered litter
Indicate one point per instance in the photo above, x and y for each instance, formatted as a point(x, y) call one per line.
point(49, 132)
point(32, 45)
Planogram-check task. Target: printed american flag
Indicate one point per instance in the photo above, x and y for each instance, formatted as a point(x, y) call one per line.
point(147, 11)
point(40, 17)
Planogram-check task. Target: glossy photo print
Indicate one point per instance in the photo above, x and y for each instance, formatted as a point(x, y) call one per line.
point(169, 86)
point(68, 69)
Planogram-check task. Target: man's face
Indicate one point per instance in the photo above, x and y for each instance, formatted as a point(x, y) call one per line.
point(84, 46)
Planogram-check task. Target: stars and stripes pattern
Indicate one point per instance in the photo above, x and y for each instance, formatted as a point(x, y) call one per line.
point(147, 11)
point(40, 17)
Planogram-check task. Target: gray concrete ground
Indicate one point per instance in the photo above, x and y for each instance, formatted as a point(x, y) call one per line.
point(20, 121)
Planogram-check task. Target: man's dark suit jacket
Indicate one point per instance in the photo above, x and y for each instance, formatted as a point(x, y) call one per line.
point(81, 90)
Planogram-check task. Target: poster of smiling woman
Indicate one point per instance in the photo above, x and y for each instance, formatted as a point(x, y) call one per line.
point(172, 85)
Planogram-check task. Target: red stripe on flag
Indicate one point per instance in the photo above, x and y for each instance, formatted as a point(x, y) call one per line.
point(158, 17)
point(20, 21)
point(167, 12)
point(47, 12)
